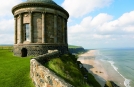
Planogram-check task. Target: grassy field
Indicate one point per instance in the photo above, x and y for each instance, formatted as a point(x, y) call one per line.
point(6, 47)
point(14, 71)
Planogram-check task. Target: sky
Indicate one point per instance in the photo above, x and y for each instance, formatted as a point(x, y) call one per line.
point(92, 24)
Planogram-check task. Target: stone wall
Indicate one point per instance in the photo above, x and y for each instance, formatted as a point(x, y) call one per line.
point(39, 49)
point(42, 76)
point(46, 25)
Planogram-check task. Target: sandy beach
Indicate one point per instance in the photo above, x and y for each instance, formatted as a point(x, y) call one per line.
point(94, 66)
point(100, 71)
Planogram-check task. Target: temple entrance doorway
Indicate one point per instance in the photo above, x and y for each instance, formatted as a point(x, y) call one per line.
point(24, 52)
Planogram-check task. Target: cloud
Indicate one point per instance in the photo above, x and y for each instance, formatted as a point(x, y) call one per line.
point(122, 25)
point(7, 21)
point(7, 26)
point(91, 25)
point(126, 19)
point(6, 7)
point(6, 38)
point(101, 19)
point(79, 8)
point(102, 28)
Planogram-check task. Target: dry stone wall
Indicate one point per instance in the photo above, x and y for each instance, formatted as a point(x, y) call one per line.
point(42, 76)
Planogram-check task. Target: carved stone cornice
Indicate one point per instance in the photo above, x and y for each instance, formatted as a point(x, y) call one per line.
point(38, 4)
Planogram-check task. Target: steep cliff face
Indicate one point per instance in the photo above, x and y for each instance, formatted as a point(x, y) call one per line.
point(76, 49)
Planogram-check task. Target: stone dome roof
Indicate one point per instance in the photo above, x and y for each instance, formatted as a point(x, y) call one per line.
point(39, 3)
point(42, 1)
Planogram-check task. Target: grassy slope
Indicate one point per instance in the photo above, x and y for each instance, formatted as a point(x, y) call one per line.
point(14, 71)
point(67, 68)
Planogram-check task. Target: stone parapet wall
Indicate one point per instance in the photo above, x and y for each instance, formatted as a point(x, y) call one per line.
point(42, 76)
point(46, 57)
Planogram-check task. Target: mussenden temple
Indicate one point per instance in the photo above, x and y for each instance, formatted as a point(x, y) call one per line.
point(40, 25)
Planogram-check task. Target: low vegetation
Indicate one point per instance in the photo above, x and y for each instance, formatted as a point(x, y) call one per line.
point(108, 84)
point(14, 71)
point(67, 68)
point(73, 46)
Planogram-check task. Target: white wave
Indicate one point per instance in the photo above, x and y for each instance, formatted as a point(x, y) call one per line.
point(112, 64)
point(127, 81)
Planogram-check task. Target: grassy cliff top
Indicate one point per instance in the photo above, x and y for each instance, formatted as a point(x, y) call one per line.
point(14, 71)
point(67, 68)
point(73, 46)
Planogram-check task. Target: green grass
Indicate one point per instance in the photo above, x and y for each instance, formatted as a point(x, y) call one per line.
point(73, 46)
point(14, 71)
point(6, 47)
point(108, 84)
point(67, 68)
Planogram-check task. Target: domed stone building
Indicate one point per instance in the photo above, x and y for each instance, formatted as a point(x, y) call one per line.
point(40, 25)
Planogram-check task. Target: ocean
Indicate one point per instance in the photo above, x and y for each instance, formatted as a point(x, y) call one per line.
point(122, 63)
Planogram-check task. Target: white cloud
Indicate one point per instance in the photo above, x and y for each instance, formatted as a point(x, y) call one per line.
point(7, 21)
point(6, 38)
point(122, 25)
point(6, 6)
point(129, 29)
point(101, 19)
point(103, 27)
point(97, 36)
point(126, 19)
point(78, 8)
point(7, 26)
point(91, 25)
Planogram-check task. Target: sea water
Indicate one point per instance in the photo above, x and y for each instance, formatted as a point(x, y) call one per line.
point(122, 61)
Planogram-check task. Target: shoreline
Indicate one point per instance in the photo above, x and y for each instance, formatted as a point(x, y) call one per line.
point(99, 69)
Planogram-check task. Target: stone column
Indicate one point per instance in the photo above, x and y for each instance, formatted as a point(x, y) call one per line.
point(15, 35)
point(55, 28)
point(21, 28)
point(63, 30)
point(31, 31)
point(66, 39)
point(43, 27)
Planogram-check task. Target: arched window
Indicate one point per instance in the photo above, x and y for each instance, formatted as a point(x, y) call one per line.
point(26, 32)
